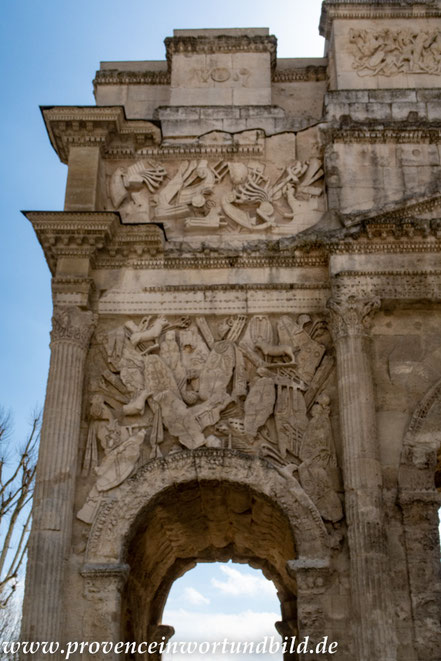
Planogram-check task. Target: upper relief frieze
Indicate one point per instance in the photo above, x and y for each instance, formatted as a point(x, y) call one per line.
point(363, 9)
point(203, 196)
point(391, 52)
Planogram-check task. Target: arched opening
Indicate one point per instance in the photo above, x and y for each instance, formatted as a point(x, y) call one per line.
point(206, 505)
point(231, 607)
point(419, 487)
point(203, 521)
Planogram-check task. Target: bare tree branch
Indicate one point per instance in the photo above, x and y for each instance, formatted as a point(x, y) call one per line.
point(16, 488)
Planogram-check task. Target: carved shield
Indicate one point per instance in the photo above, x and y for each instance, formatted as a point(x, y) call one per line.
point(119, 463)
point(259, 330)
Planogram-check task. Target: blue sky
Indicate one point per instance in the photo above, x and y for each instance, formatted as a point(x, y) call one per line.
point(216, 601)
point(49, 51)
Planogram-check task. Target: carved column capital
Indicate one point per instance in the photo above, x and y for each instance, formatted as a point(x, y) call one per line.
point(70, 324)
point(101, 579)
point(352, 316)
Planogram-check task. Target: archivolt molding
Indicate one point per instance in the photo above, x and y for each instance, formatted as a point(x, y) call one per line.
point(419, 454)
point(110, 531)
point(419, 500)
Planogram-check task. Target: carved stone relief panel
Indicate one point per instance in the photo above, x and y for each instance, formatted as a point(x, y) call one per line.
point(201, 196)
point(130, 188)
point(258, 384)
point(222, 74)
point(389, 52)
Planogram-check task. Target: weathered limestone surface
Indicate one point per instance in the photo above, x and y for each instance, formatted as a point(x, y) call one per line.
point(246, 356)
point(52, 510)
point(363, 479)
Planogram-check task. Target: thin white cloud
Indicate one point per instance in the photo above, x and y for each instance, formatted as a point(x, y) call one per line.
point(194, 597)
point(199, 626)
point(243, 584)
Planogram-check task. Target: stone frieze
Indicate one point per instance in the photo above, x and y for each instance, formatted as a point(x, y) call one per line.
point(389, 52)
point(256, 384)
point(204, 196)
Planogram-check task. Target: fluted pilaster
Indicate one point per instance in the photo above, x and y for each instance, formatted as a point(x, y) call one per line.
point(375, 631)
point(54, 489)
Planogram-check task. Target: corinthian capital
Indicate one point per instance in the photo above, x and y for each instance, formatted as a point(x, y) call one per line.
point(352, 316)
point(70, 324)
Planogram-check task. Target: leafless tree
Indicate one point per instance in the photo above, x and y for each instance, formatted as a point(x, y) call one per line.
point(17, 473)
point(10, 618)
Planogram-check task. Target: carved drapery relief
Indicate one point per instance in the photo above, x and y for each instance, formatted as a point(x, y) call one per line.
point(257, 385)
point(236, 197)
point(390, 52)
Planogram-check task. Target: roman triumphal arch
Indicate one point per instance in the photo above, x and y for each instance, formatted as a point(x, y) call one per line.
point(246, 347)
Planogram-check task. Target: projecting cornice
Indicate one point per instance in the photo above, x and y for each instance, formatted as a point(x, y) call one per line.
point(300, 74)
point(378, 134)
point(409, 210)
point(223, 43)
point(389, 236)
point(363, 9)
point(88, 234)
point(103, 127)
point(115, 77)
point(65, 234)
point(410, 227)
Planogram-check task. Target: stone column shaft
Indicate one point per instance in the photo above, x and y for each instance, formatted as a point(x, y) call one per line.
point(54, 489)
point(375, 631)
